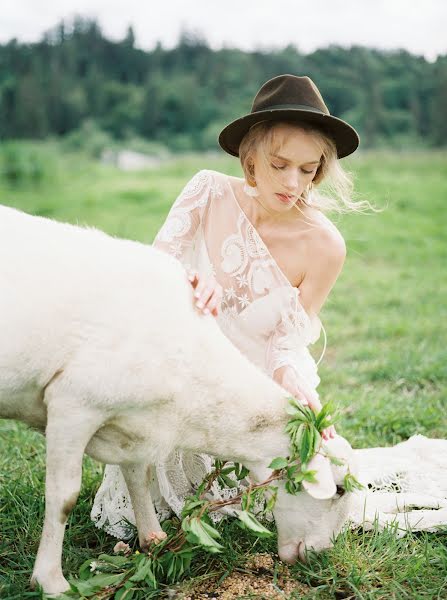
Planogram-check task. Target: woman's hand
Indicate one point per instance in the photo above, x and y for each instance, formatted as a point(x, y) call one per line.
point(208, 293)
point(287, 378)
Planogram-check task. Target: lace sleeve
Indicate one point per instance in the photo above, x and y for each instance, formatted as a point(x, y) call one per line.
point(178, 233)
point(288, 343)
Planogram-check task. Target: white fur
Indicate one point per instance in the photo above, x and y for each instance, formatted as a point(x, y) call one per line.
point(101, 346)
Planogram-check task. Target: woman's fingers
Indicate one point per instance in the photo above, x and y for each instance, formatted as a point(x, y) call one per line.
point(193, 278)
point(207, 295)
point(307, 397)
point(203, 295)
point(214, 304)
point(301, 397)
point(328, 433)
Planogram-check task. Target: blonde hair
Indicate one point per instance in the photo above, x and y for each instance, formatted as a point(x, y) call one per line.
point(262, 141)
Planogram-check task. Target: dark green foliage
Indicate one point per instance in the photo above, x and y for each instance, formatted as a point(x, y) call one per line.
point(183, 96)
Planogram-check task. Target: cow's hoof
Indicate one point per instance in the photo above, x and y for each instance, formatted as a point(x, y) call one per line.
point(52, 585)
point(154, 537)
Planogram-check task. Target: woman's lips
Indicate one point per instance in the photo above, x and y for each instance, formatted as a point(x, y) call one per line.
point(286, 199)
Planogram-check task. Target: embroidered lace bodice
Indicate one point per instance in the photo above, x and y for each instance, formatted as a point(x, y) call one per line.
point(207, 230)
point(261, 314)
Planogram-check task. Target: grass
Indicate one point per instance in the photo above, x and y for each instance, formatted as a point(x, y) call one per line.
point(385, 364)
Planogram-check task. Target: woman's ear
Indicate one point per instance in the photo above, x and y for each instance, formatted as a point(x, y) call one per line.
point(325, 487)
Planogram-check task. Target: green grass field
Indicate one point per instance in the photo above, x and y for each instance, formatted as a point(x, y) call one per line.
point(385, 364)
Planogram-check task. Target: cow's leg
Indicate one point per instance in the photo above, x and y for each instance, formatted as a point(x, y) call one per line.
point(69, 429)
point(137, 477)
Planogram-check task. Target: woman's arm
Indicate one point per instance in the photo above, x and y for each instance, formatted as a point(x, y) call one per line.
point(296, 370)
point(325, 262)
point(178, 233)
point(176, 236)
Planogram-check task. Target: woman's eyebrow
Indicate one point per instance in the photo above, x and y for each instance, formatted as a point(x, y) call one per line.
point(309, 162)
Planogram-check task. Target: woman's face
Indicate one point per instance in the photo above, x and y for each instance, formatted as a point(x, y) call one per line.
point(286, 173)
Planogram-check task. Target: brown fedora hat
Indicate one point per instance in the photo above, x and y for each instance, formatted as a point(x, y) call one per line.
point(291, 98)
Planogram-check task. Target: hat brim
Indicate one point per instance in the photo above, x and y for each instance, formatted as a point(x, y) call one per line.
point(344, 135)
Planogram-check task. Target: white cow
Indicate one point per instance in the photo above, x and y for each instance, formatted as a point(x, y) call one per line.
point(102, 348)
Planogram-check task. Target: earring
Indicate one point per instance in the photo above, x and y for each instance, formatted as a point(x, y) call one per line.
point(250, 190)
point(309, 195)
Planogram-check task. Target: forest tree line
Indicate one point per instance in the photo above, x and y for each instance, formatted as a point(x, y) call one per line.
point(183, 96)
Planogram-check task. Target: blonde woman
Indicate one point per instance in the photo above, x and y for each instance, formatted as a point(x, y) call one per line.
point(261, 256)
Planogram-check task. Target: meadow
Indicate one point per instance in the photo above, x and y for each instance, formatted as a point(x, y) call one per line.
point(385, 364)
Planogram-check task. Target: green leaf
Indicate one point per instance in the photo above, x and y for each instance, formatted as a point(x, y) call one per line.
point(309, 476)
point(250, 522)
point(327, 416)
point(172, 570)
point(350, 483)
point(211, 530)
point(298, 411)
point(291, 409)
point(305, 446)
point(116, 561)
point(246, 500)
point(312, 431)
point(273, 497)
point(316, 440)
point(88, 587)
point(228, 470)
point(144, 571)
point(297, 436)
point(192, 504)
point(84, 570)
point(241, 472)
point(125, 593)
point(202, 536)
point(278, 463)
point(227, 482)
point(290, 472)
point(292, 487)
point(335, 461)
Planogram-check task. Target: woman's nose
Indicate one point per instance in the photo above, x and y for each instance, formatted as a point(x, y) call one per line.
point(292, 180)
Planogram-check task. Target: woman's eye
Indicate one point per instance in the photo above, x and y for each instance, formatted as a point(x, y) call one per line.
point(283, 167)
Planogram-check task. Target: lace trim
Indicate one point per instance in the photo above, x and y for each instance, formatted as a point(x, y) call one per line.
point(406, 487)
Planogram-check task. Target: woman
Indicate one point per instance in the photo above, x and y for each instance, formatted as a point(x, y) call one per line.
point(261, 257)
point(266, 233)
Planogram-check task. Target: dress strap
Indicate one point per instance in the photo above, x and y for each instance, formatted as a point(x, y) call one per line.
point(324, 347)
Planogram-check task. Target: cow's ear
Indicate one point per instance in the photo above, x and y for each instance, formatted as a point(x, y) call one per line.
point(324, 488)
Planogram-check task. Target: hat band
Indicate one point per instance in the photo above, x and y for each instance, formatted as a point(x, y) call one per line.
point(295, 106)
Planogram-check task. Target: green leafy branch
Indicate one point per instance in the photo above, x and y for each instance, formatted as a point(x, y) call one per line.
point(138, 575)
point(304, 429)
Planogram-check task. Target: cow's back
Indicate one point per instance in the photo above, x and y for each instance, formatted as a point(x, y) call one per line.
point(66, 290)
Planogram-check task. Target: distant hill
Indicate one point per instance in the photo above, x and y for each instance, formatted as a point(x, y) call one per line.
point(183, 96)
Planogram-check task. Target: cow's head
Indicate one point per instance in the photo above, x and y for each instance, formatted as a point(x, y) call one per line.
point(312, 518)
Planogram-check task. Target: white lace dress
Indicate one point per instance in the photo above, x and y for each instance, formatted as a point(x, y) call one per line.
point(261, 314)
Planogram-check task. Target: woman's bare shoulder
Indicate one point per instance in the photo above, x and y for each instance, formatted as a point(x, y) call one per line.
point(325, 233)
point(323, 252)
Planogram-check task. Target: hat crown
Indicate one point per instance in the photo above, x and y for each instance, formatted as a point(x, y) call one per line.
point(289, 90)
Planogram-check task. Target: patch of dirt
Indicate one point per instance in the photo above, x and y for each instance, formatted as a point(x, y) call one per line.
point(256, 581)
